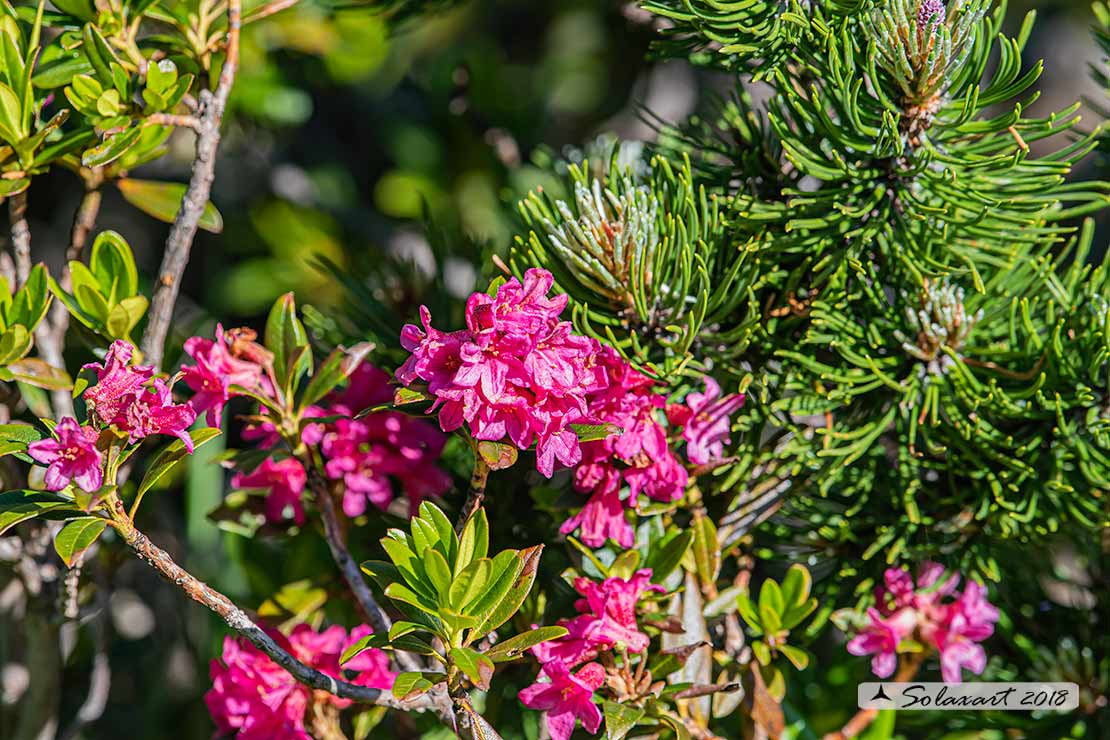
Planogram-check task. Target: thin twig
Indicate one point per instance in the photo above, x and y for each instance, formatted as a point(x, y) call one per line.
point(333, 533)
point(476, 492)
point(171, 119)
point(180, 241)
point(276, 6)
point(238, 620)
point(21, 237)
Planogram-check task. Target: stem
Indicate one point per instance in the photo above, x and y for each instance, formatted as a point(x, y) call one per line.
point(476, 492)
point(21, 237)
point(180, 240)
point(238, 620)
point(864, 717)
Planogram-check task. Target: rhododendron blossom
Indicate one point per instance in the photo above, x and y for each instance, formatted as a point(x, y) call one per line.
point(707, 431)
point(284, 480)
point(931, 613)
point(153, 412)
point(215, 370)
point(375, 457)
point(566, 697)
point(117, 383)
point(257, 699)
point(71, 456)
point(638, 457)
point(606, 620)
point(515, 372)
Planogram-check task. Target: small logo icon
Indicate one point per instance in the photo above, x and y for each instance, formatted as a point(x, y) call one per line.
point(881, 694)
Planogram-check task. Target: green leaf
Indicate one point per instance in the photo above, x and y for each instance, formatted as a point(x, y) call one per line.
point(19, 435)
point(10, 114)
point(626, 564)
point(664, 558)
point(162, 200)
point(112, 148)
point(161, 76)
point(404, 396)
point(81, 9)
point(497, 455)
point(33, 371)
point(367, 642)
point(448, 540)
point(409, 566)
point(410, 684)
point(770, 605)
point(112, 265)
point(762, 652)
point(14, 344)
point(60, 71)
point(707, 553)
point(594, 432)
point(78, 536)
point(882, 728)
point(100, 54)
point(438, 572)
point(172, 455)
point(796, 585)
point(474, 542)
point(748, 613)
point(797, 656)
point(477, 667)
point(30, 302)
point(405, 595)
point(514, 647)
point(19, 506)
point(523, 575)
point(284, 337)
point(620, 719)
point(678, 726)
point(469, 584)
point(334, 370)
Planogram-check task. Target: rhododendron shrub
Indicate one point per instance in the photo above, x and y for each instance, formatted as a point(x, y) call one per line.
point(793, 397)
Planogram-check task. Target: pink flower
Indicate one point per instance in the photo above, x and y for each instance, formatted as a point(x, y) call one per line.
point(285, 480)
point(515, 372)
point(215, 371)
point(153, 412)
point(638, 457)
point(607, 619)
point(612, 603)
point(933, 613)
point(71, 456)
point(117, 383)
point(881, 638)
point(254, 697)
point(566, 697)
point(601, 518)
point(707, 431)
point(370, 453)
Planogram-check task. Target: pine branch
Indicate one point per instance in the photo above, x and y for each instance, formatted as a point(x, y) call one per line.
point(180, 240)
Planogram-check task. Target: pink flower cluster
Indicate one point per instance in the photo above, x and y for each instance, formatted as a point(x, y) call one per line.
point(931, 612)
point(367, 454)
point(125, 396)
point(641, 456)
point(255, 698)
point(606, 620)
point(515, 372)
point(130, 398)
point(219, 365)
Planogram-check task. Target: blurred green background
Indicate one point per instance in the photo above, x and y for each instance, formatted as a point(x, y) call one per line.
point(347, 136)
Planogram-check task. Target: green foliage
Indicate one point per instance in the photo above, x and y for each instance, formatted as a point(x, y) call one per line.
point(779, 609)
point(104, 295)
point(447, 587)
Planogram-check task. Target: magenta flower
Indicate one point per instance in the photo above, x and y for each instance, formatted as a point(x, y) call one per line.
point(285, 480)
point(71, 456)
point(612, 603)
point(566, 697)
point(515, 372)
point(639, 457)
point(601, 518)
point(932, 613)
point(573, 648)
point(117, 383)
point(153, 412)
point(215, 371)
point(254, 697)
point(707, 431)
point(881, 638)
